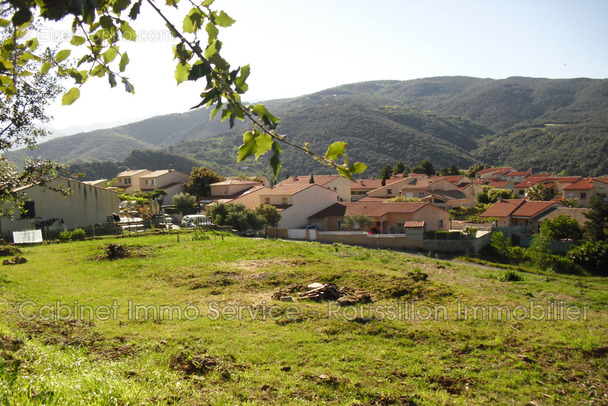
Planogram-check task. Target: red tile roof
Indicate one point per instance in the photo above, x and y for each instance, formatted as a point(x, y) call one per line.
point(495, 170)
point(603, 180)
point(451, 178)
point(532, 208)
point(583, 184)
point(370, 184)
point(518, 174)
point(370, 209)
point(299, 180)
point(503, 208)
point(287, 190)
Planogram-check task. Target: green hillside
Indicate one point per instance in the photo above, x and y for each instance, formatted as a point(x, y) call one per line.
point(543, 124)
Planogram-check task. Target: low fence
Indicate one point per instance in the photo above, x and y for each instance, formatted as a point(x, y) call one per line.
point(371, 240)
point(472, 245)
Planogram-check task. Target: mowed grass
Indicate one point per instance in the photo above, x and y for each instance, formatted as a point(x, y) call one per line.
point(193, 322)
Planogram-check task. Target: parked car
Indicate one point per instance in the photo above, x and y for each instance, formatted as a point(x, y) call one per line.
point(195, 220)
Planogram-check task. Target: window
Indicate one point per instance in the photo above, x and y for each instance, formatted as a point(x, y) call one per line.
point(267, 200)
point(340, 224)
point(283, 200)
point(389, 191)
point(128, 181)
point(583, 195)
point(29, 210)
point(440, 223)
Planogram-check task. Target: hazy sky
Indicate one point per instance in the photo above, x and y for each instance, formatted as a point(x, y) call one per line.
point(299, 47)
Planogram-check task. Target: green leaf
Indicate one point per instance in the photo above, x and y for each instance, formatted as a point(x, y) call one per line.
point(32, 44)
point(112, 79)
point(275, 162)
point(224, 20)
point(335, 150)
point(207, 3)
point(120, 5)
point(264, 143)
point(62, 55)
point(71, 96)
point(45, 67)
point(239, 83)
point(249, 147)
point(268, 119)
point(182, 72)
point(127, 31)
point(22, 16)
point(212, 32)
point(77, 40)
point(124, 61)
point(4, 22)
point(134, 12)
point(358, 167)
point(109, 55)
point(193, 21)
point(99, 71)
point(199, 69)
point(211, 49)
point(128, 86)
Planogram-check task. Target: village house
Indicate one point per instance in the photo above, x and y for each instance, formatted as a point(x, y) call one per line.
point(297, 202)
point(359, 188)
point(600, 188)
point(389, 218)
point(519, 212)
point(251, 197)
point(494, 173)
point(169, 180)
point(128, 180)
point(582, 191)
point(577, 214)
point(85, 205)
point(227, 190)
point(337, 183)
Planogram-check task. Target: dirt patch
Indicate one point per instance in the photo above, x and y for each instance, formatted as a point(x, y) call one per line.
point(10, 344)
point(7, 251)
point(193, 364)
point(112, 252)
point(257, 264)
point(65, 332)
point(450, 385)
point(599, 352)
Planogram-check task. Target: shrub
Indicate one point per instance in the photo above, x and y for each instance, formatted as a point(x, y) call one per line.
point(592, 256)
point(510, 276)
point(65, 235)
point(78, 234)
point(565, 265)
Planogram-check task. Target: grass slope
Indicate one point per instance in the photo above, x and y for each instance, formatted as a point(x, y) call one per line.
point(349, 358)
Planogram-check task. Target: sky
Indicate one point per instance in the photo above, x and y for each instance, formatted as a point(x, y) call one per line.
point(300, 47)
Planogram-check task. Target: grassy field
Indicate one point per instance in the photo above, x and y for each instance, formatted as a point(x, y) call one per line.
point(193, 322)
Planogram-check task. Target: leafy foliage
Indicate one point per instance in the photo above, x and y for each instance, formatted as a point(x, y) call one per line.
point(200, 180)
point(561, 227)
point(491, 195)
point(538, 192)
point(501, 244)
point(184, 201)
point(595, 228)
point(270, 214)
point(358, 221)
point(425, 167)
point(591, 255)
point(237, 215)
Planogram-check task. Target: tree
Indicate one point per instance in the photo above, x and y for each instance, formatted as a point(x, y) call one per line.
point(24, 98)
point(501, 244)
point(184, 201)
point(492, 195)
point(539, 251)
point(98, 30)
point(539, 192)
point(358, 221)
point(595, 228)
point(425, 167)
point(591, 255)
point(386, 172)
point(401, 168)
point(561, 227)
point(452, 170)
point(572, 202)
point(270, 214)
point(242, 219)
point(474, 169)
point(199, 181)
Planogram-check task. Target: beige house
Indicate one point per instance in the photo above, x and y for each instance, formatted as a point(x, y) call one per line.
point(494, 173)
point(583, 191)
point(519, 212)
point(86, 205)
point(169, 180)
point(337, 183)
point(229, 189)
point(600, 187)
point(389, 218)
point(128, 180)
point(298, 202)
point(250, 198)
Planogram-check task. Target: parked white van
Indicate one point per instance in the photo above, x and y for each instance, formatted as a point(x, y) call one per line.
point(195, 220)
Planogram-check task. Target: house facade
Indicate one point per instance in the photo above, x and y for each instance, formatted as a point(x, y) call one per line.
point(337, 183)
point(229, 189)
point(128, 180)
point(169, 180)
point(389, 218)
point(87, 204)
point(298, 202)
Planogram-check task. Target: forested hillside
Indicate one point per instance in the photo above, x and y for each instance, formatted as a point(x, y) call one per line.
point(543, 124)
